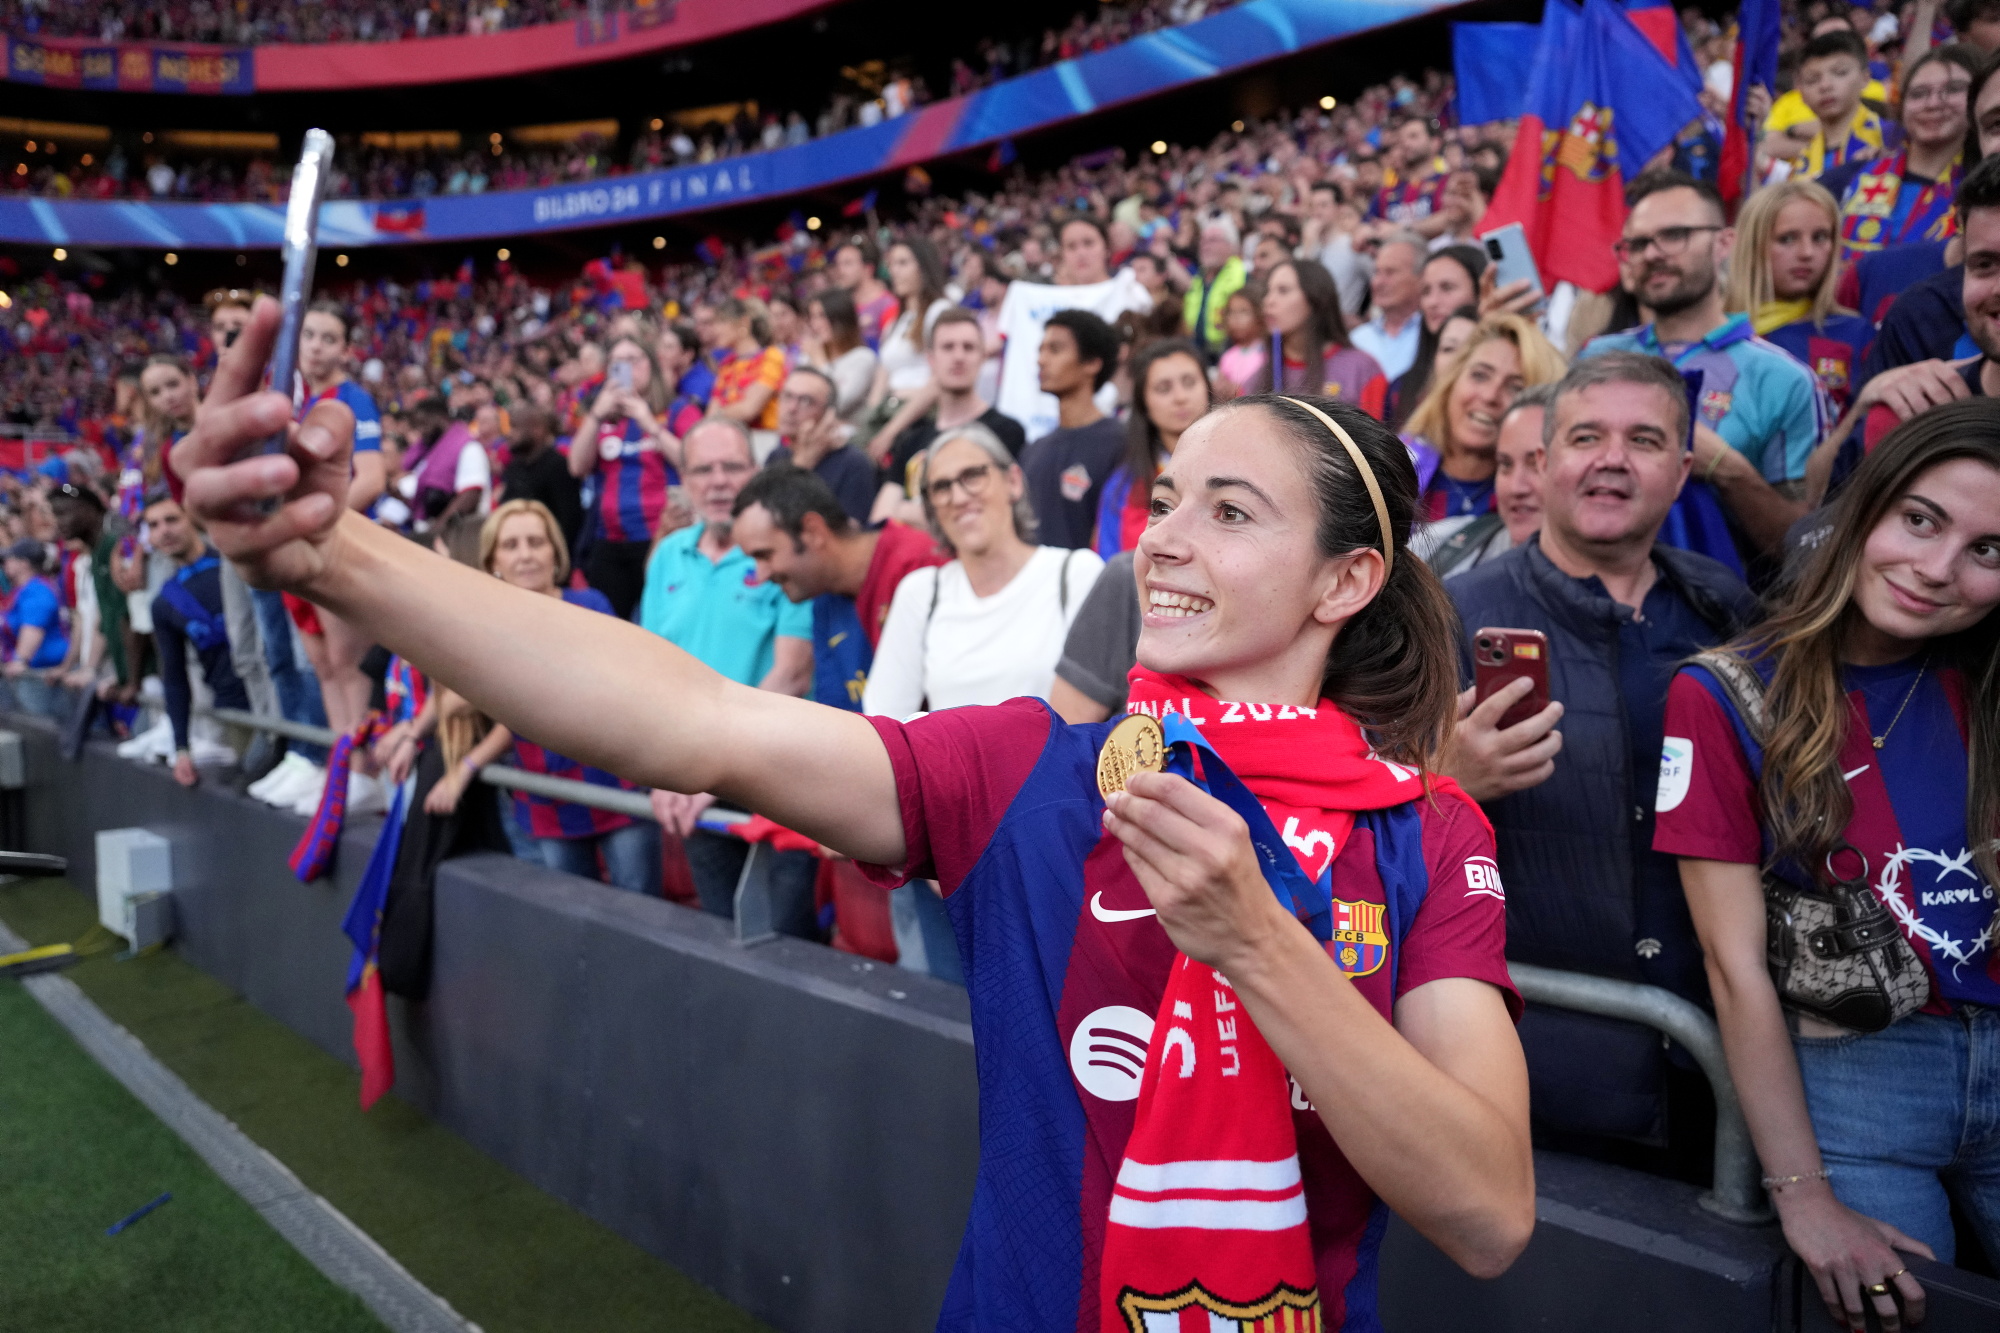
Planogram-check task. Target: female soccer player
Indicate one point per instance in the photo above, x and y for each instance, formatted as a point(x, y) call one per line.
point(1191, 1099)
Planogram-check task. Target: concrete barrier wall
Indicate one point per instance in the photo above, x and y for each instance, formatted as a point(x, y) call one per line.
point(793, 1126)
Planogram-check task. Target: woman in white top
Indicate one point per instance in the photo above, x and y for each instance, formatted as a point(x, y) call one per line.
point(834, 347)
point(990, 625)
point(917, 276)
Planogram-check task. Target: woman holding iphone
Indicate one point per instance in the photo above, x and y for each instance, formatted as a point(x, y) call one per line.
point(623, 440)
point(1380, 1070)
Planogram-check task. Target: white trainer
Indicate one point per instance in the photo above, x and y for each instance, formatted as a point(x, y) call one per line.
point(366, 795)
point(280, 773)
point(295, 775)
point(307, 803)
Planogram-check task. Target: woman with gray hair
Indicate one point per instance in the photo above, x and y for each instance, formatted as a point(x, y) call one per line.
point(989, 625)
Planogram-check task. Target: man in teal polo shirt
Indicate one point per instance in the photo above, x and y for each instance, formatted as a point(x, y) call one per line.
point(703, 595)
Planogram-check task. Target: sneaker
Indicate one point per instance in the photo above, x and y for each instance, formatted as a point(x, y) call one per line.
point(154, 743)
point(305, 778)
point(366, 795)
point(284, 772)
point(307, 803)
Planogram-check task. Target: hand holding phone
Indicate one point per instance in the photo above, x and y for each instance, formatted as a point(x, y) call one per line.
point(1502, 656)
point(1513, 261)
point(301, 252)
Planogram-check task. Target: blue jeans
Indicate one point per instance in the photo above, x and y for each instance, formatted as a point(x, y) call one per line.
point(39, 697)
point(291, 675)
point(1906, 1114)
point(716, 862)
point(631, 856)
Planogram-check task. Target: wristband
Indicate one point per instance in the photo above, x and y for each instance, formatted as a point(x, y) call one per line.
point(467, 767)
point(1708, 473)
point(1776, 1183)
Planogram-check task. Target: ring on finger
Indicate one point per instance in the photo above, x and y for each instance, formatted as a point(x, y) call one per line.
point(1877, 1288)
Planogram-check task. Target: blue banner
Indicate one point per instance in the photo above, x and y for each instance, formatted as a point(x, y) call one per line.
point(1490, 63)
point(128, 67)
point(1158, 62)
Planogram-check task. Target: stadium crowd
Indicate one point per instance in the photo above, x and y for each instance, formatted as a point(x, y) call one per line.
point(872, 92)
point(906, 470)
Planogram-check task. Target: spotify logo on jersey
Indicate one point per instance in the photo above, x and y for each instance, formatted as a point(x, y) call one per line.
point(1107, 1052)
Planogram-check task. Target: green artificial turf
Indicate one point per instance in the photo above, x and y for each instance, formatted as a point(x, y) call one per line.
point(78, 1153)
point(507, 1256)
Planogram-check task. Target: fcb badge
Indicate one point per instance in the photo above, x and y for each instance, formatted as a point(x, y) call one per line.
point(1359, 945)
point(1075, 482)
point(1285, 1310)
point(1135, 745)
point(610, 447)
point(1715, 406)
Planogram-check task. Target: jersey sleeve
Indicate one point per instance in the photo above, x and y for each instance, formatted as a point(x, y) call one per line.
point(1707, 803)
point(1804, 420)
point(957, 772)
point(367, 417)
point(1461, 929)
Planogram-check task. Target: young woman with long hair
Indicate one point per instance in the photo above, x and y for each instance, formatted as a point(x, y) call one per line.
point(1117, 933)
point(1782, 275)
point(1455, 430)
point(1309, 338)
point(917, 276)
point(1447, 283)
point(835, 348)
point(623, 438)
point(1172, 393)
point(1873, 774)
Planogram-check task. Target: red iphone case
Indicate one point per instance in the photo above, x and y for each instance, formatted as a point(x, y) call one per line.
point(1503, 655)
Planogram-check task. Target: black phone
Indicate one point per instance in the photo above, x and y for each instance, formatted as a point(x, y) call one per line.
point(301, 253)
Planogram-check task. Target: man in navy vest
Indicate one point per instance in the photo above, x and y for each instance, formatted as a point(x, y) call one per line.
point(187, 612)
point(1573, 810)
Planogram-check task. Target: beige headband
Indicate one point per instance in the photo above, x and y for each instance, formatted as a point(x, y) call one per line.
point(1367, 477)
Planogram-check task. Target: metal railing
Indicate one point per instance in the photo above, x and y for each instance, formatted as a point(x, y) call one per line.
point(715, 819)
point(1736, 1193)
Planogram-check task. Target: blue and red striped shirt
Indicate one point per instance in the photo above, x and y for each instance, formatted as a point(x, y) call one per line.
point(544, 817)
point(631, 483)
point(1066, 966)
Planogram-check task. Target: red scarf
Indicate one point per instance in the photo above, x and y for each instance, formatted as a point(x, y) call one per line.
point(1209, 1204)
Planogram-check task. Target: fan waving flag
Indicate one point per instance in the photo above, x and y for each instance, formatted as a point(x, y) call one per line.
point(363, 925)
point(1601, 97)
point(1756, 64)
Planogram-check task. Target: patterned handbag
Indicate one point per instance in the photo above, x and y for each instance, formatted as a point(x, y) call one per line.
point(1834, 950)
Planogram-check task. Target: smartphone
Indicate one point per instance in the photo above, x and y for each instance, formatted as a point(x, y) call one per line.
point(1501, 656)
point(301, 251)
point(621, 375)
point(1512, 259)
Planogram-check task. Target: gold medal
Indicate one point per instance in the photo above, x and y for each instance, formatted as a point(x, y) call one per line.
point(1136, 745)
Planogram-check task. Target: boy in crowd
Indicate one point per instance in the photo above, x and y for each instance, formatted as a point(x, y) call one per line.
point(1067, 467)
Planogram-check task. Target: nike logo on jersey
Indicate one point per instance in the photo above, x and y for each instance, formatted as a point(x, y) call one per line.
point(1103, 913)
point(1849, 777)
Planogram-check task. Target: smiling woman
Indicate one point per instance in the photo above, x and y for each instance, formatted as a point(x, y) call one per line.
point(1852, 745)
point(1339, 1032)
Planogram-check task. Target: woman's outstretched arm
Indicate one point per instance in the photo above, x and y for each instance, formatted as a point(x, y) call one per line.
point(590, 686)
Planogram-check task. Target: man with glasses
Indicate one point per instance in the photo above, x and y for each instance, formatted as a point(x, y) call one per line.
point(703, 595)
point(1761, 412)
point(811, 437)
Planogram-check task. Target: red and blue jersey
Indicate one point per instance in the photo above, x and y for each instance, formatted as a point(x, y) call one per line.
point(1831, 351)
point(1909, 808)
point(1413, 196)
point(632, 482)
point(1066, 965)
point(544, 817)
point(367, 417)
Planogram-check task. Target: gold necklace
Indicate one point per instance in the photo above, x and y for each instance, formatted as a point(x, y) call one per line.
point(1908, 695)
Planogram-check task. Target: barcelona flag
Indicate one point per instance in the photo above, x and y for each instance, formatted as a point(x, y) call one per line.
point(1602, 99)
point(363, 925)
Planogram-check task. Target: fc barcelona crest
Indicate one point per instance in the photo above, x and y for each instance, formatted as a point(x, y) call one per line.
point(1286, 1310)
point(1359, 944)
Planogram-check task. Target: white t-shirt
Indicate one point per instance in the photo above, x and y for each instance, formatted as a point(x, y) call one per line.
point(977, 650)
point(1025, 313)
point(909, 369)
point(475, 473)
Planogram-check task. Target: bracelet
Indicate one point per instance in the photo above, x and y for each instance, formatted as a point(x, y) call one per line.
point(1775, 1183)
point(1708, 473)
point(469, 768)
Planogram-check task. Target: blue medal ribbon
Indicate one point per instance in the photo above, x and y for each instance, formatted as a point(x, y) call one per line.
point(1309, 900)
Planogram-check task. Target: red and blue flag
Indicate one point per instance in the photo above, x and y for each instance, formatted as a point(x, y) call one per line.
point(1597, 104)
point(1756, 63)
point(363, 925)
